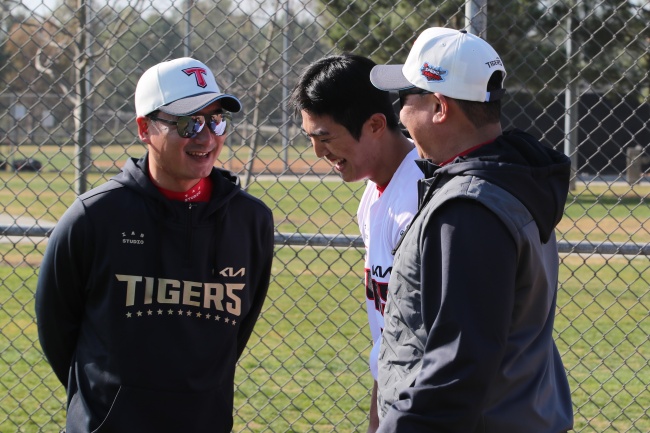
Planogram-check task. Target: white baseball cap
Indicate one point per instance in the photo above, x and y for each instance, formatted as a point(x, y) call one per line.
point(180, 87)
point(454, 63)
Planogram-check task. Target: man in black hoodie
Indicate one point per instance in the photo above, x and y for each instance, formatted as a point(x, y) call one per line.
point(468, 338)
point(152, 282)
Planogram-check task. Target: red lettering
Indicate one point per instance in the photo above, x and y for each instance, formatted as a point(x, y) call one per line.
point(198, 74)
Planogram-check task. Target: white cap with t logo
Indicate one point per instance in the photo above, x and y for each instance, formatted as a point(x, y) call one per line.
point(180, 87)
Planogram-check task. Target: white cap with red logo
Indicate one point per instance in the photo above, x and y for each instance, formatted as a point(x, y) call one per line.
point(180, 87)
point(454, 63)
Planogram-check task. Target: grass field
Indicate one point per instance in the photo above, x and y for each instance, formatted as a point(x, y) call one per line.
point(305, 368)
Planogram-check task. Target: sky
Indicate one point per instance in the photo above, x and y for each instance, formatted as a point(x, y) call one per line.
point(261, 10)
point(42, 6)
point(38, 4)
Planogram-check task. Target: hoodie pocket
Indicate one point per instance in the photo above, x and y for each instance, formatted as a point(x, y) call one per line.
point(143, 410)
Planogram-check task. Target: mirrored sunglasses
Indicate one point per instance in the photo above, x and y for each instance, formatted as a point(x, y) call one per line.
point(191, 126)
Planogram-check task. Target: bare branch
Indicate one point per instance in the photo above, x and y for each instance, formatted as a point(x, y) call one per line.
point(46, 70)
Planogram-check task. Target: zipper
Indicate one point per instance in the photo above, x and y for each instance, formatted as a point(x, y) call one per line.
point(188, 237)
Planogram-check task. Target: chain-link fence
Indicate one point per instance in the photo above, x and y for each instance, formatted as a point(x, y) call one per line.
point(577, 78)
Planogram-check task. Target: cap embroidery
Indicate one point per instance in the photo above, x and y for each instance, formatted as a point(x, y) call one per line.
point(433, 73)
point(198, 74)
point(496, 62)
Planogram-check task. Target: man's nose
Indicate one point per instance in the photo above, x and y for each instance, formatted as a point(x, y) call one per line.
point(319, 148)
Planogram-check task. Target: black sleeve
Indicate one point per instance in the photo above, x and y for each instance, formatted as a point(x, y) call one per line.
point(60, 296)
point(264, 255)
point(468, 269)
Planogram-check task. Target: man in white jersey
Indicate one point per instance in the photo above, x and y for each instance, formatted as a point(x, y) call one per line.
point(353, 125)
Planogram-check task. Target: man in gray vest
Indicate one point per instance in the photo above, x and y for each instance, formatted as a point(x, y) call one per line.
point(468, 338)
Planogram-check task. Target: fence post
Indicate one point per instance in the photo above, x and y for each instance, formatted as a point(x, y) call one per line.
point(187, 39)
point(476, 17)
point(634, 164)
point(570, 103)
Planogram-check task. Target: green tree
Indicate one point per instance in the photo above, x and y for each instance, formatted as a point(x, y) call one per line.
point(134, 41)
point(385, 30)
point(610, 39)
point(610, 36)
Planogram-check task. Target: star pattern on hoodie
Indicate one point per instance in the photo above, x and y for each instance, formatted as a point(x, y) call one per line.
point(180, 313)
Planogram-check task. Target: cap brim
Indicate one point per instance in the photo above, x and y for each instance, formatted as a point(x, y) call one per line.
point(192, 104)
point(389, 77)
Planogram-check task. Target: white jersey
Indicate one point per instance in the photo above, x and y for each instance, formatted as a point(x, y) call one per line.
point(382, 221)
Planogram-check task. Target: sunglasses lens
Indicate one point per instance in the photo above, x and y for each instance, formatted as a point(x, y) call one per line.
point(412, 91)
point(190, 126)
point(185, 125)
point(218, 124)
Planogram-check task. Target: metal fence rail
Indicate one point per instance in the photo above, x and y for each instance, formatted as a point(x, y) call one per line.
point(577, 78)
point(343, 241)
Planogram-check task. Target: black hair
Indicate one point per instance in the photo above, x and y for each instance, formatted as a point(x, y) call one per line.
point(339, 86)
point(484, 113)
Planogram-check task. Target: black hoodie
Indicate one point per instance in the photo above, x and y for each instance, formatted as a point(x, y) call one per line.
point(144, 304)
point(468, 338)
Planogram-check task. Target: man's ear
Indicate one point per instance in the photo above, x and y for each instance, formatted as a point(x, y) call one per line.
point(144, 125)
point(377, 123)
point(441, 109)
